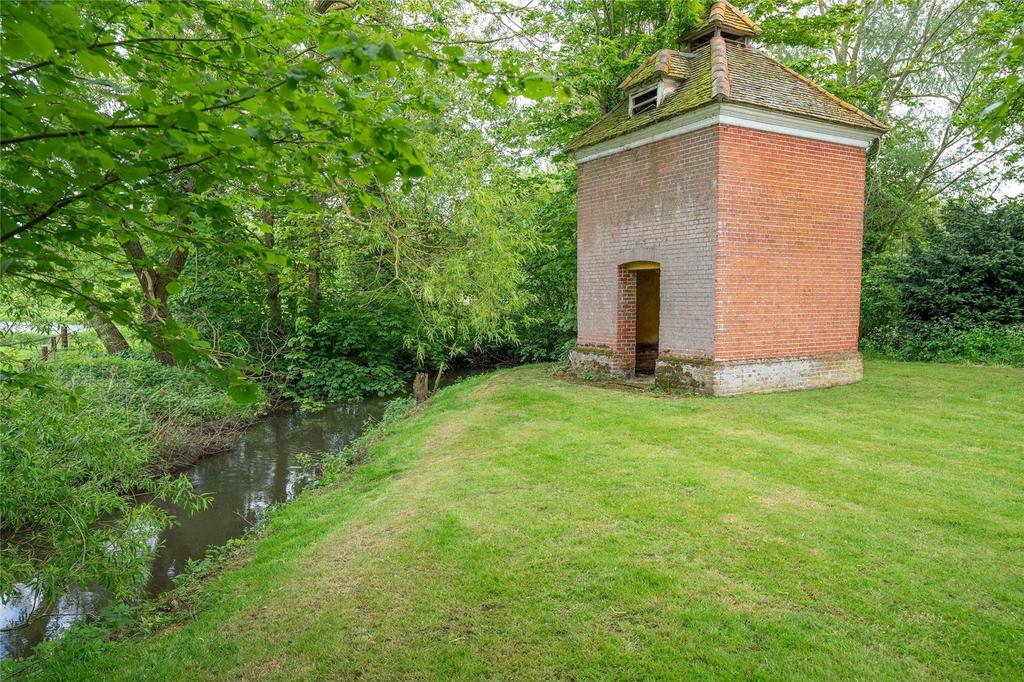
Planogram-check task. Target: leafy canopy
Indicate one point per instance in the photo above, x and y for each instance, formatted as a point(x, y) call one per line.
point(124, 123)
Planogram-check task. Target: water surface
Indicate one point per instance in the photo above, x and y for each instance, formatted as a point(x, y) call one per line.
point(261, 470)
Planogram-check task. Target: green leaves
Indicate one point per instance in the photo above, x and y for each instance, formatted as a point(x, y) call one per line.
point(142, 125)
point(538, 87)
point(500, 95)
point(93, 63)
point(71, 463)
point(29, 40)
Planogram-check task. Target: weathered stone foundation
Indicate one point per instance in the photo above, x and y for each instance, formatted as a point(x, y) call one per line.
point(593, 359)
point(694, 375)
point(764, 375)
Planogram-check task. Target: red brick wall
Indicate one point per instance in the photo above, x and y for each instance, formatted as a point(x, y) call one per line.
point(653, 203)
point(790, 216)
point(625, 328)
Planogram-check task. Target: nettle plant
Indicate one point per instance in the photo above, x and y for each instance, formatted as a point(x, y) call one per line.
point(126, 126)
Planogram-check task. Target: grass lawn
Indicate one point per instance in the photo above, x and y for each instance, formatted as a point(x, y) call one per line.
point(522, 527)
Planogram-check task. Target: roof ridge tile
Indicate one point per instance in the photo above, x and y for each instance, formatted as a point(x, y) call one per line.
point(724, 16)
point(720, 86)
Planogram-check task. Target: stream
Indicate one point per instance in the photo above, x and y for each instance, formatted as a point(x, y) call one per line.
point(261, 470)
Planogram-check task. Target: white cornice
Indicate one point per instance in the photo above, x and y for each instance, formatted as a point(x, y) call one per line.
point(684, 123)
point(787, 124)
point(727, 113)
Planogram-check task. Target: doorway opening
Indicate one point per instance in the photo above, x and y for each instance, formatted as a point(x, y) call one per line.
point(636, 340)
point(648, 319)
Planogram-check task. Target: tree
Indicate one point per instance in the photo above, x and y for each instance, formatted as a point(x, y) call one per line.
point(967, 269)
point(110, 336)
point(111, 108)
point(1001, 97)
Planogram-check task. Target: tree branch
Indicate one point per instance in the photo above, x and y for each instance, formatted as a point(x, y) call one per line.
point(121, 43)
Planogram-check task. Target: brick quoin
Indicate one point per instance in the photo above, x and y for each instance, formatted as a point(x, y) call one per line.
point(625, 337)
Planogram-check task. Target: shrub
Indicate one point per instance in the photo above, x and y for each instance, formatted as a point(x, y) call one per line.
point(350, 352)
point(967, 271)
point(983, 345)
point(956, 294)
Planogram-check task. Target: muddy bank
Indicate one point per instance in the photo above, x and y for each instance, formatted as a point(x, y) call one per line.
point(181, 447)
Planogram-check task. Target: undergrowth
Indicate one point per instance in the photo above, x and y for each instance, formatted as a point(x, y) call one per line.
point(82, 464)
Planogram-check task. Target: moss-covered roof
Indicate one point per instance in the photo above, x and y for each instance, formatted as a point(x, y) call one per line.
point(662, 63)
point(691, 93)
point(720, 70)
point(755, 78)
point(752, 77)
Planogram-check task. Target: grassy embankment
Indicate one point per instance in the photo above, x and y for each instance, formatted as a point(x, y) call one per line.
point(523, 527)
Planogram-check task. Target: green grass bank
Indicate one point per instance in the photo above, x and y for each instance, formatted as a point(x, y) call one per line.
point(523, 527)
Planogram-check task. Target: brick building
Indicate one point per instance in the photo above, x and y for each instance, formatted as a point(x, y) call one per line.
point(720, 218)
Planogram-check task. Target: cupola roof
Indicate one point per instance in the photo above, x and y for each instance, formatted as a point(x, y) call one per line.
point(727, 20)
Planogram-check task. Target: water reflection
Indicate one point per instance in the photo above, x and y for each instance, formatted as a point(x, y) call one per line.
point(261, 470)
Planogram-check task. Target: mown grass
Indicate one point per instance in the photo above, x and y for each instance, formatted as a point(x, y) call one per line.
point(521, 527)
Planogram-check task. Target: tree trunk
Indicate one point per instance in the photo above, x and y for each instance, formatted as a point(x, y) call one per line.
point(419, 386)
point(273, 292)
point(108, 332)
point(154, 290)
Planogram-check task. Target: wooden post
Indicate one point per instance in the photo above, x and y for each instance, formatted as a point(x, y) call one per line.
point(64, 336)
point(45, 352)
point(53, 344)
point(419, 387)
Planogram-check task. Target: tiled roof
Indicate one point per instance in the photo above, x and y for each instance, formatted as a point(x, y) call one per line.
point(758, 79)
point(662, 63)
point(737, 74)
point(691, 93)
point(726, 18)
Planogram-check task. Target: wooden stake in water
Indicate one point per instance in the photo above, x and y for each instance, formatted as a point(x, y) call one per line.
point(53, 344)
point(64, 336)
point(45, 352)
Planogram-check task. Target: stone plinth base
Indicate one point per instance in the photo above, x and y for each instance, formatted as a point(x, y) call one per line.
point(704, 376)
point(766, 375)
point(592, 359)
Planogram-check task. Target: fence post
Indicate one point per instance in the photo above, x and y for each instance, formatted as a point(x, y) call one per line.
point(53, 344)
point(45, 352)
point(64, 336)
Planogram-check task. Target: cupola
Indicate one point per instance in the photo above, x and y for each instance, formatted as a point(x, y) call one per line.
point(724, 20)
